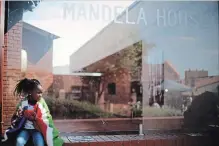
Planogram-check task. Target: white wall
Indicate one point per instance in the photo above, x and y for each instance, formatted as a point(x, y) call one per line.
point(111, 39)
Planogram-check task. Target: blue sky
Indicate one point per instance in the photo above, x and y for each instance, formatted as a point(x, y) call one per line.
point(193, 45)
point(74, 33)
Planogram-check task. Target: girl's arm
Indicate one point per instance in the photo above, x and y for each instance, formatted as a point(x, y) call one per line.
point(17, 113)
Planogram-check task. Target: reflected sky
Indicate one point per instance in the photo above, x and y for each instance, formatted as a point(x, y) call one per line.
point(186, 32)
point(187, 41)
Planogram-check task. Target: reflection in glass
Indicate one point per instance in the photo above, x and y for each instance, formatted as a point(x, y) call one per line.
point(153, 66)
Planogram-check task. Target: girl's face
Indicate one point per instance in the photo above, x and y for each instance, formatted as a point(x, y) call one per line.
point(37, 93)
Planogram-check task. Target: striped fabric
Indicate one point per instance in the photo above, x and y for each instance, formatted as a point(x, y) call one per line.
point(43, 123)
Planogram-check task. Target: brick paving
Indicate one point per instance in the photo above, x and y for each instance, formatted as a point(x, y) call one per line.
point(138, 140)
point(157, 138)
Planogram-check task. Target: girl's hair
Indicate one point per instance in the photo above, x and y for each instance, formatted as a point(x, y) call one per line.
point(25, 86)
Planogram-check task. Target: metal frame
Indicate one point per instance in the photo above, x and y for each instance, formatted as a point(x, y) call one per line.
point(2, 17)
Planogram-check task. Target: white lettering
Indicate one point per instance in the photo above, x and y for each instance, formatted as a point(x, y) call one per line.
point(127, 17)
point(105, 9)
point(116, 14)
point(141, 16)
point(161, 17)
point(183, 18)
point(81, 12)
point(174, 18)
point(68, 10)
point(94, 12)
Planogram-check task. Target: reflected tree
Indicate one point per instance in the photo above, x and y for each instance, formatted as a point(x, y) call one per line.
point(129, 58)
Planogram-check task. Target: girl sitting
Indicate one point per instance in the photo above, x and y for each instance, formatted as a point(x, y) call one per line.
point(32, 117)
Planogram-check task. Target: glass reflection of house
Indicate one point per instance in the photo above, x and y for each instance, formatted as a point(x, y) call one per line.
point(38, 44)
point(103, 52)
point(210, 83)
point(143, 22)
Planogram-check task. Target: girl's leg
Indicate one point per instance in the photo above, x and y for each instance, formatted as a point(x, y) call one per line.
point(37, 138)
point(22, 138)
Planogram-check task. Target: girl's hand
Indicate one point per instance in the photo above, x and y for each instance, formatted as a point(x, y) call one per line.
point(29, 114)
point(32, 117)
point(19, 112)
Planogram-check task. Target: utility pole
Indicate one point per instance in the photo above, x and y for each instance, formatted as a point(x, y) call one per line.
point(162, 81)
point(2, 25)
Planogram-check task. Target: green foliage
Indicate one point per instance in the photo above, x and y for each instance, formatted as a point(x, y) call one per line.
point(161, 112)
point(131, 58)
point(137, 113)
point(137, 109)
point(67, 108)
point(155, 112)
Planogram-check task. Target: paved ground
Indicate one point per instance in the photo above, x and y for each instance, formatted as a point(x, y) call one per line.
point(89, 127)
point(174, 139)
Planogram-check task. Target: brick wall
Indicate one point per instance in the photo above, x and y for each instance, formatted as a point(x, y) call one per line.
point(14, 41)
point(1, 40)
point(65, 82)
point(122, 80)
point(170, 72)
point(156, 70)
point(12, 70)
point(45, 78)
point(192, 75)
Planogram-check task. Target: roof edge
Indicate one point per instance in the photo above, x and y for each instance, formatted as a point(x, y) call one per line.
point(108, 25)
point(38, 30)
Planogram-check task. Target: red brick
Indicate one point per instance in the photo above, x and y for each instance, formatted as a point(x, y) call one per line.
point(97, 144)
point(168, 142)
point(67, 144)
point(150, 143)
point(76, 144)
point(134, 143)
point(12, 60)
point(142, 143)
point(109, 143)
point(158, 142)
point(126, 143)
point(85, 144)
point(118, 143)
point(121, 77)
